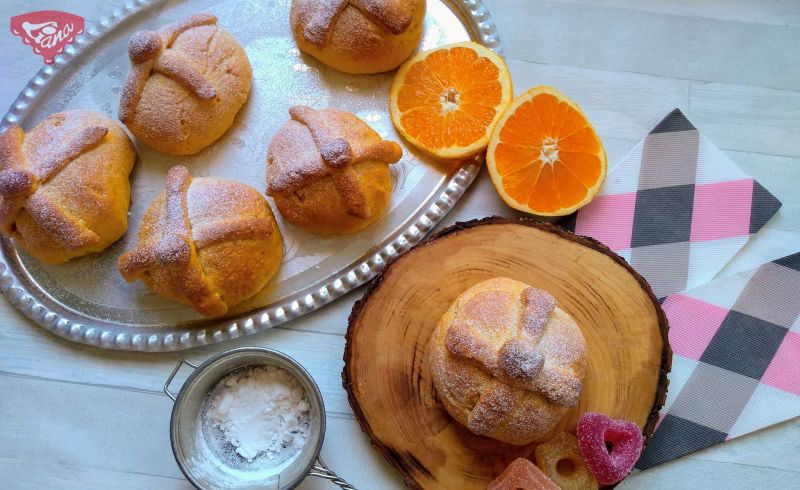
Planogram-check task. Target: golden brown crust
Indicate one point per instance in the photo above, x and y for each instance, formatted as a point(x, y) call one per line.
point(64, 189)
point(209, 243)
point(16, 182)
point(178, 67)
point(318, 18)
point(327, 170)
point(354, 200)
point(333, 148)
point(358, 36)
point(175, 251)
point(325, 140)
point(507, 362)
point(171, 32)
point(318, 207)
point(187, 82)
point(54, 220)
point(394, 15)
point(149, 51)
point(239, 229)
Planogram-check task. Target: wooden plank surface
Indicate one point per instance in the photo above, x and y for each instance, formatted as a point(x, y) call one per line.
point(666, 45)
point(78, 417)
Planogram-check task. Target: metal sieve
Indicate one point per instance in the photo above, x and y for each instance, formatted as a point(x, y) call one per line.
point(208, 462)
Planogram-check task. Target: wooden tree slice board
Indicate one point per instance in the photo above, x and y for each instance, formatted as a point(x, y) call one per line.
point(387, 375)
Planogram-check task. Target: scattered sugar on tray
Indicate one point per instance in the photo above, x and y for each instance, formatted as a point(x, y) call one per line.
point(263, 410)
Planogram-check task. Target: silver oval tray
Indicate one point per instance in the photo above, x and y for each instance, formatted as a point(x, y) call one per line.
point(87, 301)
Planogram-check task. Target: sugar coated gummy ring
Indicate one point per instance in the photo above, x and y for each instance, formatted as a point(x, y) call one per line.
point(561, 460)
point(609, 447)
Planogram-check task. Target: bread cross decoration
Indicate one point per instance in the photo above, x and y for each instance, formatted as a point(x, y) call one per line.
point(333, 156)
point(149, 52)
point(21, 181)
point(320, 18)
point(521, 360)
point(177, 247)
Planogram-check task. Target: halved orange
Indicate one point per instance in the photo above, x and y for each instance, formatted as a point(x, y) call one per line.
point(544, 156)
point(446, 101)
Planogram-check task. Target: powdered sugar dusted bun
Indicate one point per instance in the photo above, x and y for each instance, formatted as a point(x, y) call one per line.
point(328, 171)
point(507, 362)
point(64, 189)
point(187, 82)
point(358, 36)
point(206, 242)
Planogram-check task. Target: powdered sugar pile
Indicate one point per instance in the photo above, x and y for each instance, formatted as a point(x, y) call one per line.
point(263, 410)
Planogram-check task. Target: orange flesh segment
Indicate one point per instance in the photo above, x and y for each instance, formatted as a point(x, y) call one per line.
point(548, 187)
point(460, 71)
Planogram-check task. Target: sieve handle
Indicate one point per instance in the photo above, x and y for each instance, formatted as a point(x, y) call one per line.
point(321, 470)
point(172, 376)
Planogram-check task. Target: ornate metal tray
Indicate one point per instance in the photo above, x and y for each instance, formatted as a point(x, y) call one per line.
point(86, 300)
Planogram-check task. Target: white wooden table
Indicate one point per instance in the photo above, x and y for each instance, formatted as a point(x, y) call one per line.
point(79, 417)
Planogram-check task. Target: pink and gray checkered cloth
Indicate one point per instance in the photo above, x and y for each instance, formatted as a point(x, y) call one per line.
point(678, 209)
point(736, 359)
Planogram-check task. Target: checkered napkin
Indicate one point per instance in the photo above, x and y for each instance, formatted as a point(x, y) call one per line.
point(736, 361)
point(676, 208)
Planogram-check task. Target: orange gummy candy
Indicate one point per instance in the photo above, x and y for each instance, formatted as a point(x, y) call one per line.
point(524, 475)
point(561, 460)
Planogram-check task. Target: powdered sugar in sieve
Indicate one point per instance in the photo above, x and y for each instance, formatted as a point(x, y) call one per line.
point(256, 417)
point(249, 419)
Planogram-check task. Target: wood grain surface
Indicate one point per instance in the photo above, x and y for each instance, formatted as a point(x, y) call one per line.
point(387, 370)
point(82, 418)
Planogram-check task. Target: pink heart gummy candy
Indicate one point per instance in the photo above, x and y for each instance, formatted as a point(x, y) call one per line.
point(596, 432)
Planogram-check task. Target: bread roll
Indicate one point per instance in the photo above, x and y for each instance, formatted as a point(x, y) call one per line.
point(64, 188)
point(187, 82)
point(507, 362)
point(208, 243)
point(328, 171)
point(358, 36)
